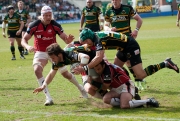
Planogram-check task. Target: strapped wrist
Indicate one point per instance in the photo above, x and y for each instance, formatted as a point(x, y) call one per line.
point(86, 68)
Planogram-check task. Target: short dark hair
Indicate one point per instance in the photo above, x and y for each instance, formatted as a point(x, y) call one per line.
point(54, 49)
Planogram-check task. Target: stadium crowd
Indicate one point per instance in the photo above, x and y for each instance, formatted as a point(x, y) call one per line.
point(63, 10)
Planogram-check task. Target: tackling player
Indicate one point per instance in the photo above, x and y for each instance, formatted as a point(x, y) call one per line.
point(126, 45)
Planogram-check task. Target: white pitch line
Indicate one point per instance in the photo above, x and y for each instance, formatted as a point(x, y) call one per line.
point(86, 114)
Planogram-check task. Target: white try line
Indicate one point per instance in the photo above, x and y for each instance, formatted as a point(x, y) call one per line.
point(48, 114)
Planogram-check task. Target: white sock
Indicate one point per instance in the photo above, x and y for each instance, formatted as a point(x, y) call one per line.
point(115, 102)
point(75, 82)
point(97, 95)
point(46, 92)
point(136, 103)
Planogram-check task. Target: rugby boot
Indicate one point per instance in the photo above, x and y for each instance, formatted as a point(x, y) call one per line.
point(169, 64)
point(152, 103)
point(22, 57)
point(13, 58)
point(48, 102)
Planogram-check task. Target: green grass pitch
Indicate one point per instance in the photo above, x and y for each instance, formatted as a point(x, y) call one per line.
point(158, 37)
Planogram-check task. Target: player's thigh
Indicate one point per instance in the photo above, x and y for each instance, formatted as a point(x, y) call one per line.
point(139, 71)
point(11, 41)
point(109, 95)
point(18, 40)
point(40, 59)
point(120, 59)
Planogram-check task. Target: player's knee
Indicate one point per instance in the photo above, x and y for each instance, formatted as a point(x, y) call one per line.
point(88, 88)
point(107, 98)
point(140, 75)
point(38, 68)
point(125, 105)
point(67, 75)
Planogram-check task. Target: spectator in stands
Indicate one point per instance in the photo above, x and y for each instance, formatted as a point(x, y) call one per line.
point(90, 13)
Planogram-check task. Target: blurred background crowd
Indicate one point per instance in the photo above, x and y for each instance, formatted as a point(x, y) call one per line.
point(62, 9)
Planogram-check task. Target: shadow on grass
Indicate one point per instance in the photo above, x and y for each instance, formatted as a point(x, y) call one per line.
point(8, 79)
point(103, 109)
point(158, 91)
point(16, 88)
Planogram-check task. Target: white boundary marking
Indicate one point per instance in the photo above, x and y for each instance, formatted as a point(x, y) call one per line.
point(85, 114)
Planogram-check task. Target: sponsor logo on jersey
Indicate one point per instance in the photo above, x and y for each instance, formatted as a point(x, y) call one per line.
point(11, 21)
point(49, 31)
point(38, 36)
point(39, 31)
point(118, 18)
point(90, 14)
point(47, 38)
point(136, 52)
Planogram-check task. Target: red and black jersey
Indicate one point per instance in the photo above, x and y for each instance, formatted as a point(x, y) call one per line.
point(114, 75)
point(44, 35)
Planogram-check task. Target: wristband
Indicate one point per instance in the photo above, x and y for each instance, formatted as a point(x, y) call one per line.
point(44, 84)
point(85, 69)
point(136, 30)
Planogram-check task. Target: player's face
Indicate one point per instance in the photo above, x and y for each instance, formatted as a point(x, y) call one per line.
point(11, 11)
point(47, 17)
point(20, 6)
point(99, 69)
point(89, 3)
point(116, 3)
point(56, 59)
point(88, 42)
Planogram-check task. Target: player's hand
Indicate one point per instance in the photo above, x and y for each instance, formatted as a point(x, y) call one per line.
point(30, 49)
point(18, 32)
point(4, 35)
point(134, 34)
point(37, 90)
point(78, 69)
point(70, 38)
point(113, 29)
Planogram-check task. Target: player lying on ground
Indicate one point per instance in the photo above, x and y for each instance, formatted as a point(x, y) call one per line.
point(60, 58)
point(122, 89)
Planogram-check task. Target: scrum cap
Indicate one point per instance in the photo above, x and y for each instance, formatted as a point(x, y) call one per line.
point(45, 9)
point(86, 34)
